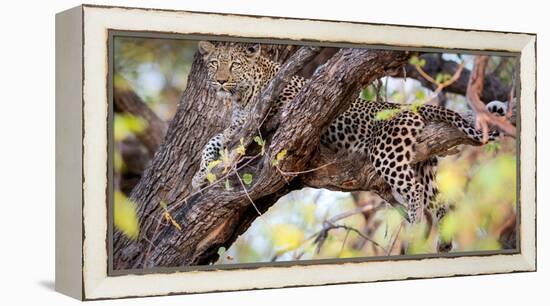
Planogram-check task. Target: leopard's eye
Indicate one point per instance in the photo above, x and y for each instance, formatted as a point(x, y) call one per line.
point(236, 65)
point(213, 63)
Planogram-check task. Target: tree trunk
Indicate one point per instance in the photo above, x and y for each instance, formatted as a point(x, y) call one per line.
point(199, 116)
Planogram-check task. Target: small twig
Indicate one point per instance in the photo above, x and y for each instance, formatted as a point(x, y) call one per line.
point(283, 175)
point(350, 213)
point(294, 173)
point(349, 228)
point(440, 86)
point(172, 208)
point(344, 243)
point(146, 256)
point(264, 119)
point(251, 159)
point(473, 93)
point(327, 226)
point(424, 74)
point(246, 192)
point(149, 241)
point(511, 100)
point(388, 251)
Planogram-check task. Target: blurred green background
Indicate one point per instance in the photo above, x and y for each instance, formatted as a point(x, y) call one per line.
point(321, 224)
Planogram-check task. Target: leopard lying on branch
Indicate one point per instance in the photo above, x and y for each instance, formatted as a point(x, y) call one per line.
point(240, 73)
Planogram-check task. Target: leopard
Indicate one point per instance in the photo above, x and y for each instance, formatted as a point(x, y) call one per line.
point(240, 72)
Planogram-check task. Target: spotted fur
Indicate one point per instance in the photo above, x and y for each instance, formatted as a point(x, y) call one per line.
point(389, 144)
point(238, 72)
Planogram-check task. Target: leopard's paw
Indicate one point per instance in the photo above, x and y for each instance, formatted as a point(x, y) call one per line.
point(444, 246)
point(199, 180)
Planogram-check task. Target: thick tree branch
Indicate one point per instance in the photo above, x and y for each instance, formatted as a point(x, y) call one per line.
point(351, 173)
point(260, 109)
point(493, 88)
point(127, 101)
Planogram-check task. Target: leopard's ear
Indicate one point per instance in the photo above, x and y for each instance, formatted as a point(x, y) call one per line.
point(253, 51)
point(206, 47)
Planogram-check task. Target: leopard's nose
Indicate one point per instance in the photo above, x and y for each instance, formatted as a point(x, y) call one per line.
point(222, 82)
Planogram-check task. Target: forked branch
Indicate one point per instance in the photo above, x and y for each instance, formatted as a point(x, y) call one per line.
point(484, 119)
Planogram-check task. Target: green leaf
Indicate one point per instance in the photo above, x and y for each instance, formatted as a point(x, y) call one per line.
point(368, 94)
point(228, 186)
point(211, 177)
point(221, 251)
point(416, 61)
point(259, 140)
point(387, 114)
point(402, 210)
point(125, 216)
point(449, 227)
point(241, 149)
point(213, 164)
point(118, 161)
point(492, 147)
point(121, 83)
point(416, 106)
point(441, 78)
point(261, 143)
point(287, 236)
point(126, 124)
point(247, 178)
point(398, 96)
point(279, 157)
point(281, 154)
point(419, 95)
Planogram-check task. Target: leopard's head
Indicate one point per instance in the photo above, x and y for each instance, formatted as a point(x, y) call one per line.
point(230, 68)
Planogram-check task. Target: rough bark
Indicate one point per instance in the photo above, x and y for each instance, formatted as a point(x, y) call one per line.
point(198, 117)
point(216, 217)
point(353, 173)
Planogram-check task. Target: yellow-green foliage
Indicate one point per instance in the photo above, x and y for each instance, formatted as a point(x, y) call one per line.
point(126, 124)
point(287, 236)
point(480, 183)
point(487, 199)
point(125, 216)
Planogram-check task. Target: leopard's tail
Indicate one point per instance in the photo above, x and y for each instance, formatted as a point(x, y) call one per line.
point(440, 114)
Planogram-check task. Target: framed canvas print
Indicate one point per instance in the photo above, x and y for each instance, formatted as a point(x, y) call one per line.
point(201, 152)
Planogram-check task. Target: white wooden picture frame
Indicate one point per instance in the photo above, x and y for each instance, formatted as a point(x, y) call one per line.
point(82, 129)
